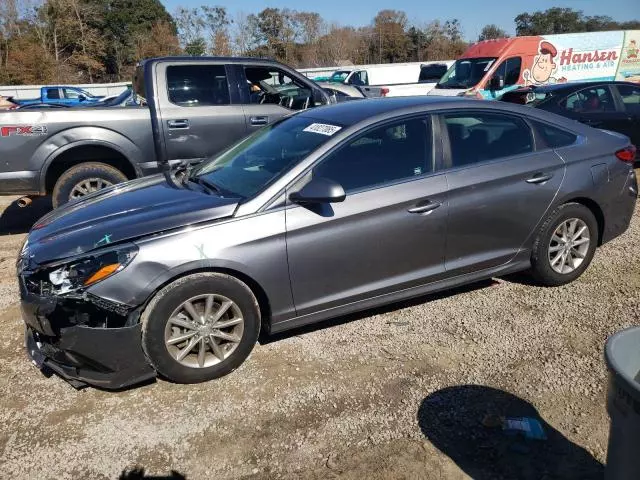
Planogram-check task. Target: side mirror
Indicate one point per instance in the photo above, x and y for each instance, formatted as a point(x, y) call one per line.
point(82, 98)
point(496, 83)
point(319, 190)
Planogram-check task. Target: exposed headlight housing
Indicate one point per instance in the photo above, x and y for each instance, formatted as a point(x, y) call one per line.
point(91, 269)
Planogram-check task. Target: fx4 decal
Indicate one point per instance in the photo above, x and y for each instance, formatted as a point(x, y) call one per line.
point(23, 130)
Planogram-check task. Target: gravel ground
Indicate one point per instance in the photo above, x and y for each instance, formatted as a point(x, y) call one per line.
point(398, 392)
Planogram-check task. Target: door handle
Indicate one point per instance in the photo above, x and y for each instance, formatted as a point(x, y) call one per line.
point(427, 207)
point(540, 178)
point(259, 121)
point(178, 124)
point(592, 123)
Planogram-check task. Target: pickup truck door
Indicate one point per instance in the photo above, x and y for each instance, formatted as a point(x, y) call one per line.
point(269, 93)
point(200, 114)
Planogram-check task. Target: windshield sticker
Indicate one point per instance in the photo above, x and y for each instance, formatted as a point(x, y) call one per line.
point(23, 130)
point(322, 129)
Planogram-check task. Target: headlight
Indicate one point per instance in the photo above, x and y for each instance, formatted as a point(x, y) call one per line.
point(88, 270)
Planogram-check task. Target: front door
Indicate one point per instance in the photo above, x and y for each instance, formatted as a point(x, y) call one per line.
point(595, 106)
point(197, 114)
point(268, 94)
point(499, 188)
point(388, 234)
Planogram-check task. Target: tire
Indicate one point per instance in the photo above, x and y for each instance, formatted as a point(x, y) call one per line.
point(167, 305)
point(98, 175)
point(580, 254)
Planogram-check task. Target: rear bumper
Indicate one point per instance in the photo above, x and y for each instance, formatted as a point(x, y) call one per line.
point(620, 211)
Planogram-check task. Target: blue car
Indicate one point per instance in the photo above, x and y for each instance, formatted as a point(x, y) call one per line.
point(60, 95)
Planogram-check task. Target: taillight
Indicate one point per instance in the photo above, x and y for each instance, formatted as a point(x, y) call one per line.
point(627, 154)
point(383, 92)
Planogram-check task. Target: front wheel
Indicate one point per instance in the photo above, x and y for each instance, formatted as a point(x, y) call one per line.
point(565, 245)
point(200, 327)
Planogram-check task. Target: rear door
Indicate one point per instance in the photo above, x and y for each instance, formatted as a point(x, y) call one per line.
point(200, 115)
point(269, 93)
point(630, 102)
point(499, 187)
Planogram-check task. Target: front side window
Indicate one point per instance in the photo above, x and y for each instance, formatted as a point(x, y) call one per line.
point(268, 85)
point(71, 94)
point(249, 166)
point(198, 85)
point(359, 78)
point(481, 137)
point(589, 100)
point(466, 72)
point(630, 97)
point(393, 152)
point(509, 70)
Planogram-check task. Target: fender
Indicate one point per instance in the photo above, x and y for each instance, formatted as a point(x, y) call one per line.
point(83, 136)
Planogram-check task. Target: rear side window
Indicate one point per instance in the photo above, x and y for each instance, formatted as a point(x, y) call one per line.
point(198, 85)
point(53, 93)
point(630, 97)
point(481, 137)
point(555, 137)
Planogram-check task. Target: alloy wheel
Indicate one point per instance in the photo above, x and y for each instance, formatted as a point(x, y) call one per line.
point(88, 186)
point(569, 245)
point(204, 331)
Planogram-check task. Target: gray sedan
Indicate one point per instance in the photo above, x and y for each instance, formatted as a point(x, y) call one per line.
point(324, 213)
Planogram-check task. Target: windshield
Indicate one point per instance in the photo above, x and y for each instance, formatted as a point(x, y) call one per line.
point(339, 76)
point(249, 166)
point(466, 73)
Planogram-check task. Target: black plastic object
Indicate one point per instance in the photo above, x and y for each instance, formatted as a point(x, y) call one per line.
point(622, 354)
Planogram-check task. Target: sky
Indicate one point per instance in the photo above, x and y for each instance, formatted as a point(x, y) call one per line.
point(473, 14)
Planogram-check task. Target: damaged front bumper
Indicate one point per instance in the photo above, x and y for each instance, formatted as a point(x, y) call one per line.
point(83, 354)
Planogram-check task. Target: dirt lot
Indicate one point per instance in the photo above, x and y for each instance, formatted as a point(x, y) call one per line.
point(393, 393)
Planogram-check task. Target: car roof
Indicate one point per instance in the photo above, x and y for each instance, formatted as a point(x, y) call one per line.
point(350, 113)
point(578, 85)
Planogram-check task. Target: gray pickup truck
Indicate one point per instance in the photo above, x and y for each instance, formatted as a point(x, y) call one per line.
point(200, 106)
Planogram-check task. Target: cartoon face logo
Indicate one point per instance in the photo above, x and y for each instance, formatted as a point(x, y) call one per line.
point(632, 49)
point(543, 66)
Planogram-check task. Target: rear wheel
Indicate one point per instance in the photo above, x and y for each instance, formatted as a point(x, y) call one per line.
point(84, 179)
point(200, 327)
point(565, 245)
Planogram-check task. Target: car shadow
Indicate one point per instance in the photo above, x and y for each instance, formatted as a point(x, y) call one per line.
point(138, 473)
point(20, 220)
point(266, 338)
point(455, 421)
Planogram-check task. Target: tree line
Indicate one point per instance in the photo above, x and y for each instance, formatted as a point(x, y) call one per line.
point(87, 41)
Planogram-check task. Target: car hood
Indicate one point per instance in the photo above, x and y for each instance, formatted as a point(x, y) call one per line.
point(123, 212)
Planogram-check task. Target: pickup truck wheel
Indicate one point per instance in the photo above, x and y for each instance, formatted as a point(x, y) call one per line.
point(200, 327)
point(84, 179)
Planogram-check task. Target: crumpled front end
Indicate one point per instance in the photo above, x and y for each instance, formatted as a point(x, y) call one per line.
point(85, 339)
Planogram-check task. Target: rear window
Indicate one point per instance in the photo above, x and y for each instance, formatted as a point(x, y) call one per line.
point(555, 137)
point(198, 85)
